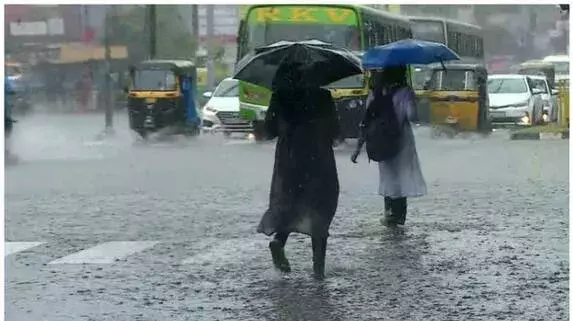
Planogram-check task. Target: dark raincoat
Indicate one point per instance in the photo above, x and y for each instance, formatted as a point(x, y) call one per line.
point(304, 189)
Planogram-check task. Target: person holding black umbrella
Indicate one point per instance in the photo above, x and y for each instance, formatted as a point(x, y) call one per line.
point(304, 189)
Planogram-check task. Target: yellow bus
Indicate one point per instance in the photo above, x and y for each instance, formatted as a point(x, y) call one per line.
point(354, 27)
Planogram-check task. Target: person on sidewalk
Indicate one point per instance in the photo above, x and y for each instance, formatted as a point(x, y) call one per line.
point(304, 189)
point(400, 176)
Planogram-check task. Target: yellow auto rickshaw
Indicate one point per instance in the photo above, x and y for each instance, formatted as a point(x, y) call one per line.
point(538, 67)
point(162, 95)
point(458, 100)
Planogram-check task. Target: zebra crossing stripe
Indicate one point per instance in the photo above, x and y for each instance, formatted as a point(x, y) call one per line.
point(15, 247)
point(105, 253)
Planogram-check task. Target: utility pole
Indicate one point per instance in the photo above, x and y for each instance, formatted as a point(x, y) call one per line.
point(152, 30)
point(195, 31)
point(109, 101)
point(210, 47)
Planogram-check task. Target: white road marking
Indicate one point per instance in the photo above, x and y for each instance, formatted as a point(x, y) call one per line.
point(550, 136)
point(228, 251)
point(239, 142)
point(15, 247)
point(105, 253)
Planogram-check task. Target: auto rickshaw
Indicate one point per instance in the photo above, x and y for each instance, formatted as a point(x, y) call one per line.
point(349, 96)
point(458, 100)
point(539, 67)
point(420, 75)
point(162, 95)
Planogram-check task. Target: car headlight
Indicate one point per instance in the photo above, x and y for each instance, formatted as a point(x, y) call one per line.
point(525, 120)
point(353, 104)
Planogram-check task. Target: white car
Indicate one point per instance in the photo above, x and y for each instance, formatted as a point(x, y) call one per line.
point(561, 63)
point(513, 100)
point(221, 112)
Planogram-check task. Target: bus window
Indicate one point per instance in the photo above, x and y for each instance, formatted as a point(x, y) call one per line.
point(429, 31)
point(337, 34)
point(368, 33)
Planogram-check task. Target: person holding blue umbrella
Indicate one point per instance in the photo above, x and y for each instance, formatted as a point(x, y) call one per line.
point(387, 131)
point(400, 176)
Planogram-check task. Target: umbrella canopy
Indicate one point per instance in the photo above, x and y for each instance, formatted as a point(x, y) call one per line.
point(407, 52)
point(318, 62)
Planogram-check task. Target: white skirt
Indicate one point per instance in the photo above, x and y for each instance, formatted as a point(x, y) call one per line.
point(402, 176)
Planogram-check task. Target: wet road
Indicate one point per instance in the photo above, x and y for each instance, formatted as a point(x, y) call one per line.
point(112, 231)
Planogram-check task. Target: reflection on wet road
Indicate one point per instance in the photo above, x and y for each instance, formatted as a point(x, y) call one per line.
point(109, 230)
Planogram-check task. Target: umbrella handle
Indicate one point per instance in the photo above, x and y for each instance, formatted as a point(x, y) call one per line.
point(443, 65)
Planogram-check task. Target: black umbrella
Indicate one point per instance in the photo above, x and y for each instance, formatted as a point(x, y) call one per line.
point(319, 63)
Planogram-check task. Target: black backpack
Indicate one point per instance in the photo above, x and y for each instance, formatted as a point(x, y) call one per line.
point(382, 132)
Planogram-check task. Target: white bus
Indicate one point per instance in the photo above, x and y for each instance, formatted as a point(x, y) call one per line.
point(463, 38)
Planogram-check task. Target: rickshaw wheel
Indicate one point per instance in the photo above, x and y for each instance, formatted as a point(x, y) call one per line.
point(435, 132)
point(192, 131)
point(144, 134)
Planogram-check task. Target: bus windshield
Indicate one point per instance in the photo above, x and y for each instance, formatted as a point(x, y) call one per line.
point(345, 36)
point(561, 68)
point(154, 79)
point(429, 30)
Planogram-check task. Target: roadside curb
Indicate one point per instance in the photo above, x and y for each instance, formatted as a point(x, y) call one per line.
point(539, 136)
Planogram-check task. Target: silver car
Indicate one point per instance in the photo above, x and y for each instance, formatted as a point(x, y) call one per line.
point(221, 112)
point(548, 96)
point(513, 100)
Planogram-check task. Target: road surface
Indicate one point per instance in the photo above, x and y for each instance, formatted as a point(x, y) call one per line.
point(109, 230)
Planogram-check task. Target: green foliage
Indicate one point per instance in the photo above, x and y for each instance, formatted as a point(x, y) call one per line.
point(173, 38)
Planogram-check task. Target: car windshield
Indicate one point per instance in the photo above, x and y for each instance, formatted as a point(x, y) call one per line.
point(154, 79)
point(506, 86)
point(227, 88)
point(538, 84)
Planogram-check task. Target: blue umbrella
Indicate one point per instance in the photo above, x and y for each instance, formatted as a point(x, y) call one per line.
point(407, 52)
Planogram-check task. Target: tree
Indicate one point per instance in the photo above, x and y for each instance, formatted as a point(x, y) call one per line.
point(130, 28)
